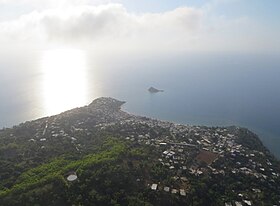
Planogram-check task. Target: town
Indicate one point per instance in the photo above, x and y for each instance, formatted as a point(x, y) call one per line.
point(189, 153)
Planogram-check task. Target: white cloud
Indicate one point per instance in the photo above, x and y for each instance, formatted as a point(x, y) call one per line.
point(112, 27)
point(104, 26)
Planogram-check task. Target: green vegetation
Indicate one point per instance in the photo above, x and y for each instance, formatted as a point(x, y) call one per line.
point(118, 157)
point(107, 177)
point(58, 167)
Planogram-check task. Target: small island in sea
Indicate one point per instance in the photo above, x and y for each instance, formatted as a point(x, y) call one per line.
point(101, 155)
point(154, 90)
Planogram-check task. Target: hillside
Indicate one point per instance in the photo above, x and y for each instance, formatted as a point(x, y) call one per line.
point(124, 159)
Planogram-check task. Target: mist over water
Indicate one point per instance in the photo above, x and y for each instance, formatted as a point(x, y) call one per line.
point(201, 89)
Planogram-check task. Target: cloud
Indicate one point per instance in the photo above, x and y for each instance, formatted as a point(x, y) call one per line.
point(112, 27)
point(105, 25)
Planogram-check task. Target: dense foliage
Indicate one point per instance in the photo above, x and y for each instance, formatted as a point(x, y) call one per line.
point(107, 177)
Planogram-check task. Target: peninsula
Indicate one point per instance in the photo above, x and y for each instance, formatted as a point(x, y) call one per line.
point(101, 155)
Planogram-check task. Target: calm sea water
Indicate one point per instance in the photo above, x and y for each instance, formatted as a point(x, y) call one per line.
point(201, 89)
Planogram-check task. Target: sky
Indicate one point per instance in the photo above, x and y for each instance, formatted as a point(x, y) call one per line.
point(244, 26)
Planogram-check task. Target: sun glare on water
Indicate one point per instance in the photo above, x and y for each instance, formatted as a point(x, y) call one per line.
point(64, 80)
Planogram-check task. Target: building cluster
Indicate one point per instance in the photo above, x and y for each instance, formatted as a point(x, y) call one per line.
point(183, 149)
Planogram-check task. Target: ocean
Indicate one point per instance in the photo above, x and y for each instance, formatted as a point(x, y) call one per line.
point(213, 89)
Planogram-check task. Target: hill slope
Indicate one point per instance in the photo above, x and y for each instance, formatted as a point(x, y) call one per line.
point(123, 159)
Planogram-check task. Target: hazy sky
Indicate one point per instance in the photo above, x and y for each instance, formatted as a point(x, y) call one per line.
point(146, 25)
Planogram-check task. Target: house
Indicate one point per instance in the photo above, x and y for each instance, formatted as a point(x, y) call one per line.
point(166, 189)
point(238, 203)
point(248, 202)
point(154, 186)
point(182, 192)
point(174, 191)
